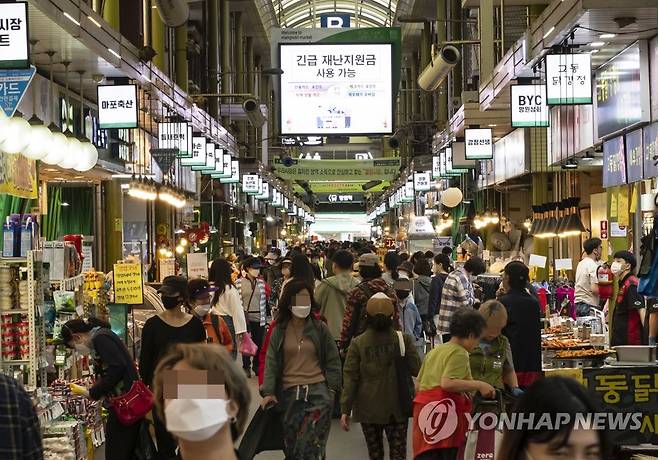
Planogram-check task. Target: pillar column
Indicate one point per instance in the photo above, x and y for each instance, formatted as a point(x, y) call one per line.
point(425, 98)
point(111, 13)
point(487, 37)
point(441, 35)
point(213, 55)
point(225, 34)
point(113, 199)
point(181, 57)
point(238, 47)
point(158, 39)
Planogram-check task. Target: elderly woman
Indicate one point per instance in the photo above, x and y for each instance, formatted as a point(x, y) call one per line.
point(491, 360)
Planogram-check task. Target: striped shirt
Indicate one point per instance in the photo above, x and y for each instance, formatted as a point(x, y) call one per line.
point(457, 293)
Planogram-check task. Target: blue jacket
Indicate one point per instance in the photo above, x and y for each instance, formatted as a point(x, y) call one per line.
point(411, 322)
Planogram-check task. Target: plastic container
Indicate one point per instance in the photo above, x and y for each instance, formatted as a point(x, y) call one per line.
point(636, 353)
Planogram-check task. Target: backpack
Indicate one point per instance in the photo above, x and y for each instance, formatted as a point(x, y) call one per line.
point(214, 319)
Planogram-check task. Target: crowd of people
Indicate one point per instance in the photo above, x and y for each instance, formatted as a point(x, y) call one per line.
point(330, 330)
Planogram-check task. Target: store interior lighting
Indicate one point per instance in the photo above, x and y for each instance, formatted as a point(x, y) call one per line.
point(573, 225)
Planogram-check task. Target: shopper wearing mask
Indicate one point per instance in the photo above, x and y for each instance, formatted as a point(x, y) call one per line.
point(277, 287)
point(370, 390)
point(627, 326)
point(586, 292)
point(302, 373)
point(421, 292)
point(412, 323)
point(162, 331)
point(254, 304)
point(206, 428)
point(226, 301)
point(200, 302)
point(272, 272)
point(116, 374)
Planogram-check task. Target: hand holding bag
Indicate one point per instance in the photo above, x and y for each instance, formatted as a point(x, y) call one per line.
point(247, 346)
point(132, 406)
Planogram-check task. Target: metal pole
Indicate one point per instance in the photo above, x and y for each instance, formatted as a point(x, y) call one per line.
point(213, 54)
point(225, 31)
point(441, 37)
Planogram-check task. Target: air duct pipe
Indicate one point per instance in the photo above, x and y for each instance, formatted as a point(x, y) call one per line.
point(440, 65)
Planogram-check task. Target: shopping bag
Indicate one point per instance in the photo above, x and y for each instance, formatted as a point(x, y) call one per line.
point(132, 406)
point(248, 347)
point(480, 444)
point(265, 432)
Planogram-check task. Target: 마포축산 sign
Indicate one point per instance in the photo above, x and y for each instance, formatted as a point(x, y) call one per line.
point(117, 106)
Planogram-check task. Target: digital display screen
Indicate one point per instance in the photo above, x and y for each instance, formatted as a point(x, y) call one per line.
point(330, 89)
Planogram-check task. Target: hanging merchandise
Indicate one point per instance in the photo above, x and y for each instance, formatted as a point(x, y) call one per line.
point(648, 271)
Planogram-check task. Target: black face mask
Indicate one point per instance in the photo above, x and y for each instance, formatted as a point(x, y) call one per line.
point(402, 294)
point(170, 302)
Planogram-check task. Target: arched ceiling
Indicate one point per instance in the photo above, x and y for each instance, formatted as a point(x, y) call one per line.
point(364, 13)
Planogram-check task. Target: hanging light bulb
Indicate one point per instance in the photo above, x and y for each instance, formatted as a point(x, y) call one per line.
point(17, 135)
point(39, 141)
point(73, 152)
point(58, 146)
point(573, 224)
point(495, 218)
point(89, 157)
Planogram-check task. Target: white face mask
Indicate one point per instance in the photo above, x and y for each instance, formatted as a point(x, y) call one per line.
point(616, 268)
point(301, 311)
point(82, 348)
point(196, 419)
point(202, 310)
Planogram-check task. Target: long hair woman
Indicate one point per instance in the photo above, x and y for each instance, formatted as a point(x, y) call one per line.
point(116, 374)
point(227, 302)
point(302, 373)
point(391, 263)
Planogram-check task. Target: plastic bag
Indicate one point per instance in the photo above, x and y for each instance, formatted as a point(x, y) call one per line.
point(64, 301)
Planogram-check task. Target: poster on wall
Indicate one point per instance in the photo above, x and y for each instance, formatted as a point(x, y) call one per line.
point(528, 105)
point(479, 143)
point(622, 99)
point(614, 162)
point(634, 159)
point(336, 88)
point(568, 79)
point(117, 106)
point(18, 176)
point(650, 134)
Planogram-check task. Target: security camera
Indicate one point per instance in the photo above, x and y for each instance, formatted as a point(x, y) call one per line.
point(439, 67)
point(254, 115)
point(173, 13)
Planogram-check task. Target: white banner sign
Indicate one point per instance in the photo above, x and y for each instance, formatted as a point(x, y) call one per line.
point(529, 108)
point(199, 152)
point(197, 265)
point(568, 79)
point(250, 184)
point(422, 181)
point(479, 144)
point(436, 167)
point(14, 45)
point(117, 106)
point(176, 136)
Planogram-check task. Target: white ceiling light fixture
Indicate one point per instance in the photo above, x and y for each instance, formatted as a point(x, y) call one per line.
point(550, 31)
point(17, 131)
point(604, 36)
point(597, 44)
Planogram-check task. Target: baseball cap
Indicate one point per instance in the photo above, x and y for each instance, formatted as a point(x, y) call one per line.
point(368, 260)
point(380, 304)
point(198, 287)
point(402, 284)
point(173, 286)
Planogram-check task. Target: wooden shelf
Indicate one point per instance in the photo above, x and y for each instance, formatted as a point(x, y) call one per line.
point(13, 312)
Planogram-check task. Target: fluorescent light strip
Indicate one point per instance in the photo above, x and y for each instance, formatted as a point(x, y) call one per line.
point(114, 52)
point(550, 31)
point(71, 18)
point(98, 24)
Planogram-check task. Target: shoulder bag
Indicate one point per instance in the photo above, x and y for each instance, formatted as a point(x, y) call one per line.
point(405, 382)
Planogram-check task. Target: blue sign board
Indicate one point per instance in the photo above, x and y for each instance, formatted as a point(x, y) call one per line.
point(614, 162)
point(335, 20)
point(650, 151)
point(634, 156)
point(13, 84)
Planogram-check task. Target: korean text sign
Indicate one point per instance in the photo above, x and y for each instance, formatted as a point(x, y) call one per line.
point(14, 45)
point(336, 88)
point(479, 144)
point(339, 170)
point(117, 106)
point(529, 107)
point(568, 79)
point(128, 287)
point(614, 162)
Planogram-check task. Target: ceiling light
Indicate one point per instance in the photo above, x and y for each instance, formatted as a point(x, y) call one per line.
point(64, 203)
point(597, 44)
point(95, 22)
point(550, 31)
point(604, 36)
point(492, 126)
point(594, 51)
point(71, 18)
point(114, 52)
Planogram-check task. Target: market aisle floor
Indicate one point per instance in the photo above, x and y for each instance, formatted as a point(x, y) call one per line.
point(341, 446)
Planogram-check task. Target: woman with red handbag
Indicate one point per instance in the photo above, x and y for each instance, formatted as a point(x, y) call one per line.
point(116, 376)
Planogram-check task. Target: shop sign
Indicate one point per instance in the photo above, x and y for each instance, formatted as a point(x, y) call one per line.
point(176, 136)
point(13, 85)
point(197, 265)
point(338, 170)
point(128, 288)
point(391, 201)
point(225, 165)
point(479, 143)
point(653, 75)
point(622, 98)
point(340, 198)
point(510, 156)
point(199, 152)
point(441, 242)
point(300, 212)
point(618, 231)
point(235, 174)
point(604, 229)
point(117, 106)
point(568, 79)
point(634, 160)
point(436, 167)
point(264, 192)
point(529, 108)
point(408, 192)
point(18, 176)
point(277, 200)
point(650, 134)
point(14, 44)
point(627, 390)
point(614, 162)
point(443, 170)
point(250, 184)
point(422, 182)
point(92, 129)
point(420, 226)
point(164, 158)
point(167, 267)
point(210, 161)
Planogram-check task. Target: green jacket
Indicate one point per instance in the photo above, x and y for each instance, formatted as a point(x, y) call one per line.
point(370, 388)
point(331, 294)
point(325, 347)
point(490, 366)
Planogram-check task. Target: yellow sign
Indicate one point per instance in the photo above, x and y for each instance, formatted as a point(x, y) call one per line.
point(575, 373)
point(340, 187)
point(622, 207)
point(128, 286)
point(18, 176)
